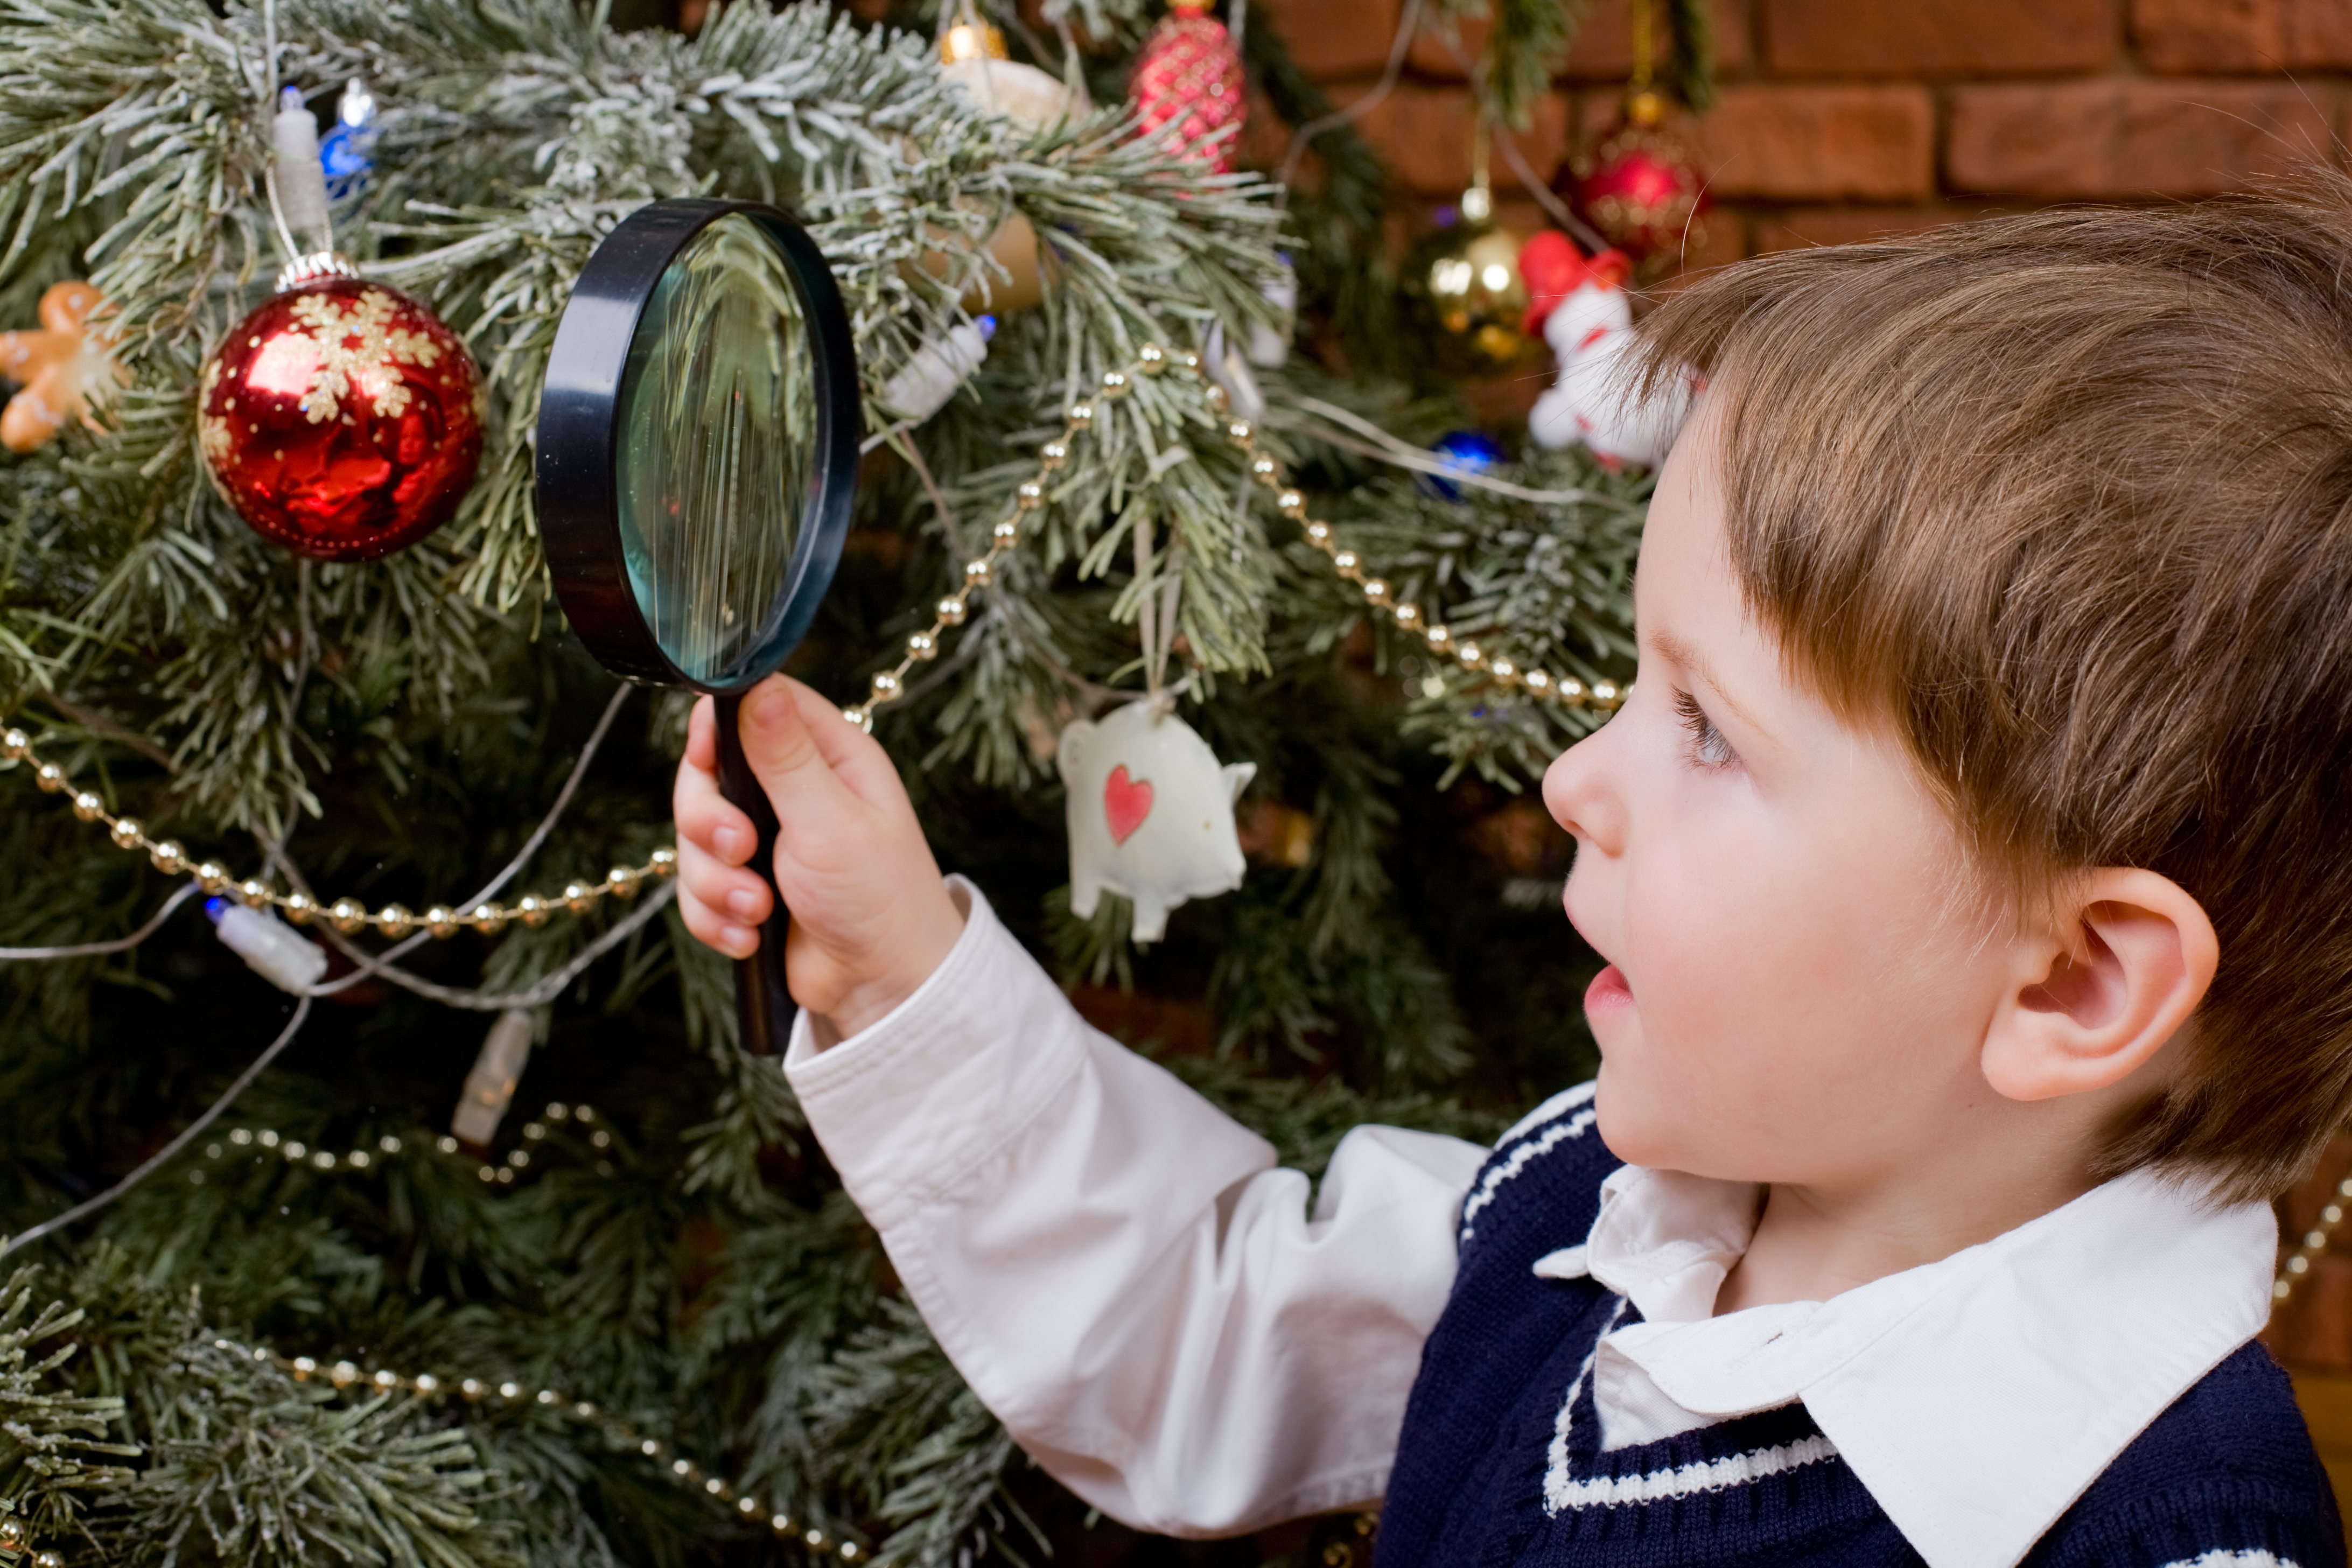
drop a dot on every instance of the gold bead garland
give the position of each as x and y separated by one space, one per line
1563 690
1030 497
349 1376
348 916
15 1541
2315 1242
268 1140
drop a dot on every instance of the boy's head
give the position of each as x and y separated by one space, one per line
2027 547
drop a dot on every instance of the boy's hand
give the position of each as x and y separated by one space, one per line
870 916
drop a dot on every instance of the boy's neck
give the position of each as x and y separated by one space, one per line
1814 1243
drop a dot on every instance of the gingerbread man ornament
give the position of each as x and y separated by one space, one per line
56 369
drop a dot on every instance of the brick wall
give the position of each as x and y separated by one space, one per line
1842 119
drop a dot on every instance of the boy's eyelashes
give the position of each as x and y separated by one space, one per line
1708 749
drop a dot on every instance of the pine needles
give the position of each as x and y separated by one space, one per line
688 1262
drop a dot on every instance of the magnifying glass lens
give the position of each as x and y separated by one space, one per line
717 460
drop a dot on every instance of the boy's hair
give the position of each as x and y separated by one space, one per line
2068 498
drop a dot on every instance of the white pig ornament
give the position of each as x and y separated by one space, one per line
1151 814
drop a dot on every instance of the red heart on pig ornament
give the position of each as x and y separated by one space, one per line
1125 803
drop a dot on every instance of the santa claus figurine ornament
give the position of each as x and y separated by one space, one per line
1582 310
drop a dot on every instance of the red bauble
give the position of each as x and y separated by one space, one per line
1641 187
341 420
1190 70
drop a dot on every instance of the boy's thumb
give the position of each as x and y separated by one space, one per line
776 741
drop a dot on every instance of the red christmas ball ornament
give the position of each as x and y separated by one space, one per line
341 419
1640 187
1190 70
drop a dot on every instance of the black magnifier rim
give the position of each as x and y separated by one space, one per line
576 471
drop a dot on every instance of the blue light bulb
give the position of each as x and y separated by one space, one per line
1462 452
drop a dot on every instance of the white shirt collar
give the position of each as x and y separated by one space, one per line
1975 1397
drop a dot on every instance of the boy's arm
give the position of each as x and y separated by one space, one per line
1116 1268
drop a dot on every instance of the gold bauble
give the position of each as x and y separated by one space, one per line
1014 247
971 40
1034 101
1464 293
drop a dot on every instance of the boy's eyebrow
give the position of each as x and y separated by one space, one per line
1675 649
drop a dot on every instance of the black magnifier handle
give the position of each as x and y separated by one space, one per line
763 1005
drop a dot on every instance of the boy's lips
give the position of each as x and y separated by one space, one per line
1608 990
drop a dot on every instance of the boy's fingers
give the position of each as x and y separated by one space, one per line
730 892
713 931
706 819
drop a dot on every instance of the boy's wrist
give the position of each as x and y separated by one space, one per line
925 940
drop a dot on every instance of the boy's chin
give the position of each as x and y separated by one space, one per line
1635 1132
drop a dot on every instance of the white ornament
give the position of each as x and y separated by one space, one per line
934 371
1031 98
1269 346
1589 322
1152 814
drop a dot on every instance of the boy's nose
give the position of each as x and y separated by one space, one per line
1577 793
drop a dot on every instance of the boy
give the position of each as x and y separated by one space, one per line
1968 860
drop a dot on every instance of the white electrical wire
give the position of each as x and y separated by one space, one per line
1384 447
98 949
1399 46
164 1155
537 994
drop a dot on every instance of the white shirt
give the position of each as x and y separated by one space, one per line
1146 1301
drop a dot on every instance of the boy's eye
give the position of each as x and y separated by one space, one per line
1708 749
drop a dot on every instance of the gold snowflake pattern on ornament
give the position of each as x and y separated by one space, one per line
357 347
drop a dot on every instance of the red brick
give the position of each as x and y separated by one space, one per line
1821 144
1265 138
1914 37
2259 36
1718 240
2312 1332
1429 55
2128 137
1850 225
1603 51
1514 209
1424 133
1333 38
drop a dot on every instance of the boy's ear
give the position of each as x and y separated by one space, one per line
2128 960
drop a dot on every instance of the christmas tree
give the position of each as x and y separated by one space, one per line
265 1300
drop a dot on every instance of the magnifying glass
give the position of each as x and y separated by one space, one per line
697 447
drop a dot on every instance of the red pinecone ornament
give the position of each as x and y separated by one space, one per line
1641 187
1190 70
341 420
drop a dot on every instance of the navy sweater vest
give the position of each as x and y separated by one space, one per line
1500 1463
